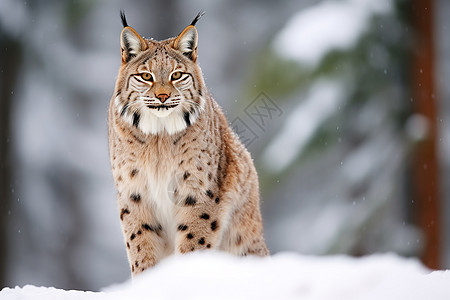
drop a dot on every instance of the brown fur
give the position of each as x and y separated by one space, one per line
203 177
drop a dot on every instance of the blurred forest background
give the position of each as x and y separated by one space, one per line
344 105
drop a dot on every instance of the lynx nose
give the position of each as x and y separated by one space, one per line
162 97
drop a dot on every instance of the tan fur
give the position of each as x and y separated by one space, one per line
195 188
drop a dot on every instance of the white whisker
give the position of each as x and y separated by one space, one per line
148 98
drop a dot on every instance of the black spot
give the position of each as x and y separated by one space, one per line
128 245
204 216
146 60
186 175
135 197
138 248
132 237
132 268
182 227
138 139
238 240
177 140
136 264
186 119
209 176
134 172
213 225
148 227
136 118
190 201
124 212
208 246
124 110
139 232
190 236
217 200
200 92
201 241
200 168
209 194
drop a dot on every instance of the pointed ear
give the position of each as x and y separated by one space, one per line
132 44
186 42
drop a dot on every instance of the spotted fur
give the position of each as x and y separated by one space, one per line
184 180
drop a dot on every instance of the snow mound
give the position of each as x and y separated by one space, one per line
282 276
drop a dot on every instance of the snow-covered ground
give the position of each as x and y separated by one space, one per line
282 276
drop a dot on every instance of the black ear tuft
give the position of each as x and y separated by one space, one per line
199 15
124 19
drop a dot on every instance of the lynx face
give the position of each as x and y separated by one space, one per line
160 87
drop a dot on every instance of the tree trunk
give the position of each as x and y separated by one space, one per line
10 58
425 164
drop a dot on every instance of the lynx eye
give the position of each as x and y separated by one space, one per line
176 75
147 76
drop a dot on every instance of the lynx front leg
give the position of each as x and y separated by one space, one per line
142 233
199 221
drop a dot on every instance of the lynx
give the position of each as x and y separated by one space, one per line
184 180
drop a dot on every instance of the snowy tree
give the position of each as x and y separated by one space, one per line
334 167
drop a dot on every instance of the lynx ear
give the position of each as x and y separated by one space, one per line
186 42
130 41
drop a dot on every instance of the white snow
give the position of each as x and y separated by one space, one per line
322 100
327 26
285 276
